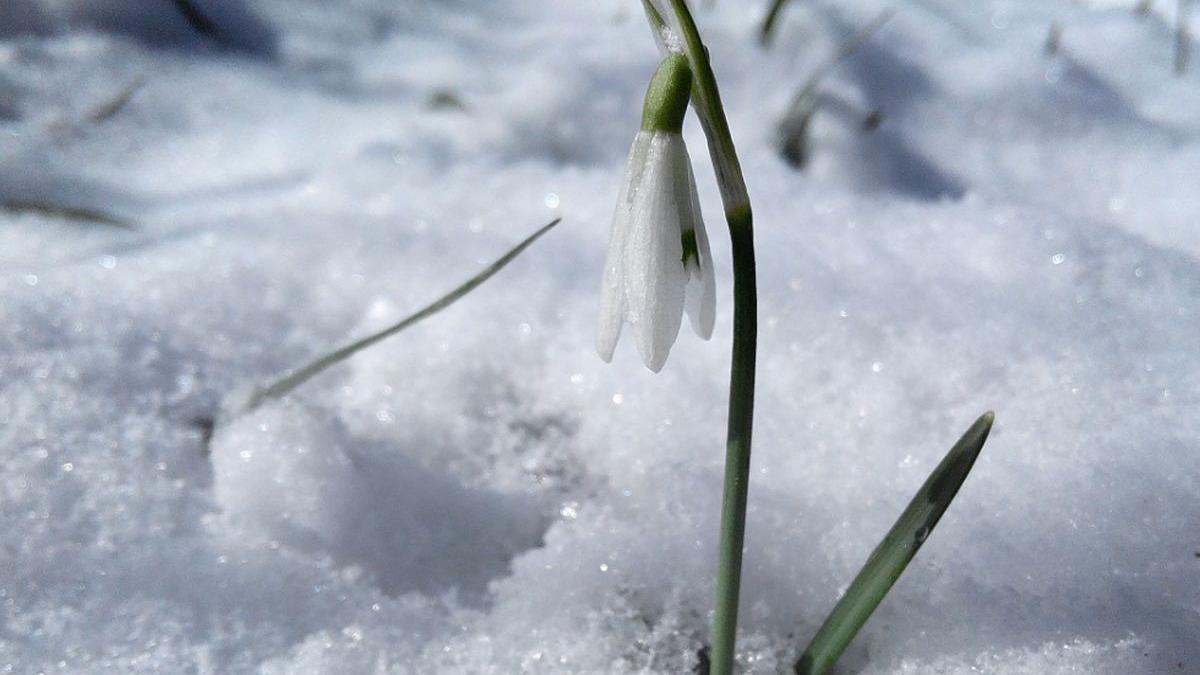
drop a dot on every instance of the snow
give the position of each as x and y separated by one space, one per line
482 493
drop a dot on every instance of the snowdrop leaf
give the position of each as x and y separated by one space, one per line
109 108
66 212
796 123
197 19
893 554
768 24
1183 38
294 379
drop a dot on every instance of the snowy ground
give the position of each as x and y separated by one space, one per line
482 494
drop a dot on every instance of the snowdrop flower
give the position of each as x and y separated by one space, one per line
659 261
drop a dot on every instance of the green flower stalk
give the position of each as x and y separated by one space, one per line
680 36
676 32
677 36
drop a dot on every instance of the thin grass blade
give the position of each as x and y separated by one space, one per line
197 20
76 213
1183 38
291 381
893 554
768 25
794 128
108 109
1053 39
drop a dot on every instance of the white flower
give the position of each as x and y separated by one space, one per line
658 256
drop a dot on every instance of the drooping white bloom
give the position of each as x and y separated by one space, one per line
659 261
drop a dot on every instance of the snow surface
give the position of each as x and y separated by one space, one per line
482 494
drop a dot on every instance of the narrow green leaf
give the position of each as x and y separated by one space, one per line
113 105
289 382
197 19
1183 38
768 24
893 554
53 210
794 128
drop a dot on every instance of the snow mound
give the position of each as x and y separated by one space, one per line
280 478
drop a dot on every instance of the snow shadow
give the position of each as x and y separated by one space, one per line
186 24
881 159
286 477
863 141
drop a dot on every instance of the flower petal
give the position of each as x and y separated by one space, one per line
654 273
613 301
701 302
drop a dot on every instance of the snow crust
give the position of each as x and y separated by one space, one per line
482 494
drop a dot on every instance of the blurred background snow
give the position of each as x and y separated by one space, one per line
1011 230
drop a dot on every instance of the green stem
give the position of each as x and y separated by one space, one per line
707 100
737 449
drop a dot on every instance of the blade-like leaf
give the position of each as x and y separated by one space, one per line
197 20
768 24
894 553
53 210
113 105
1183 38
794 128
288 383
